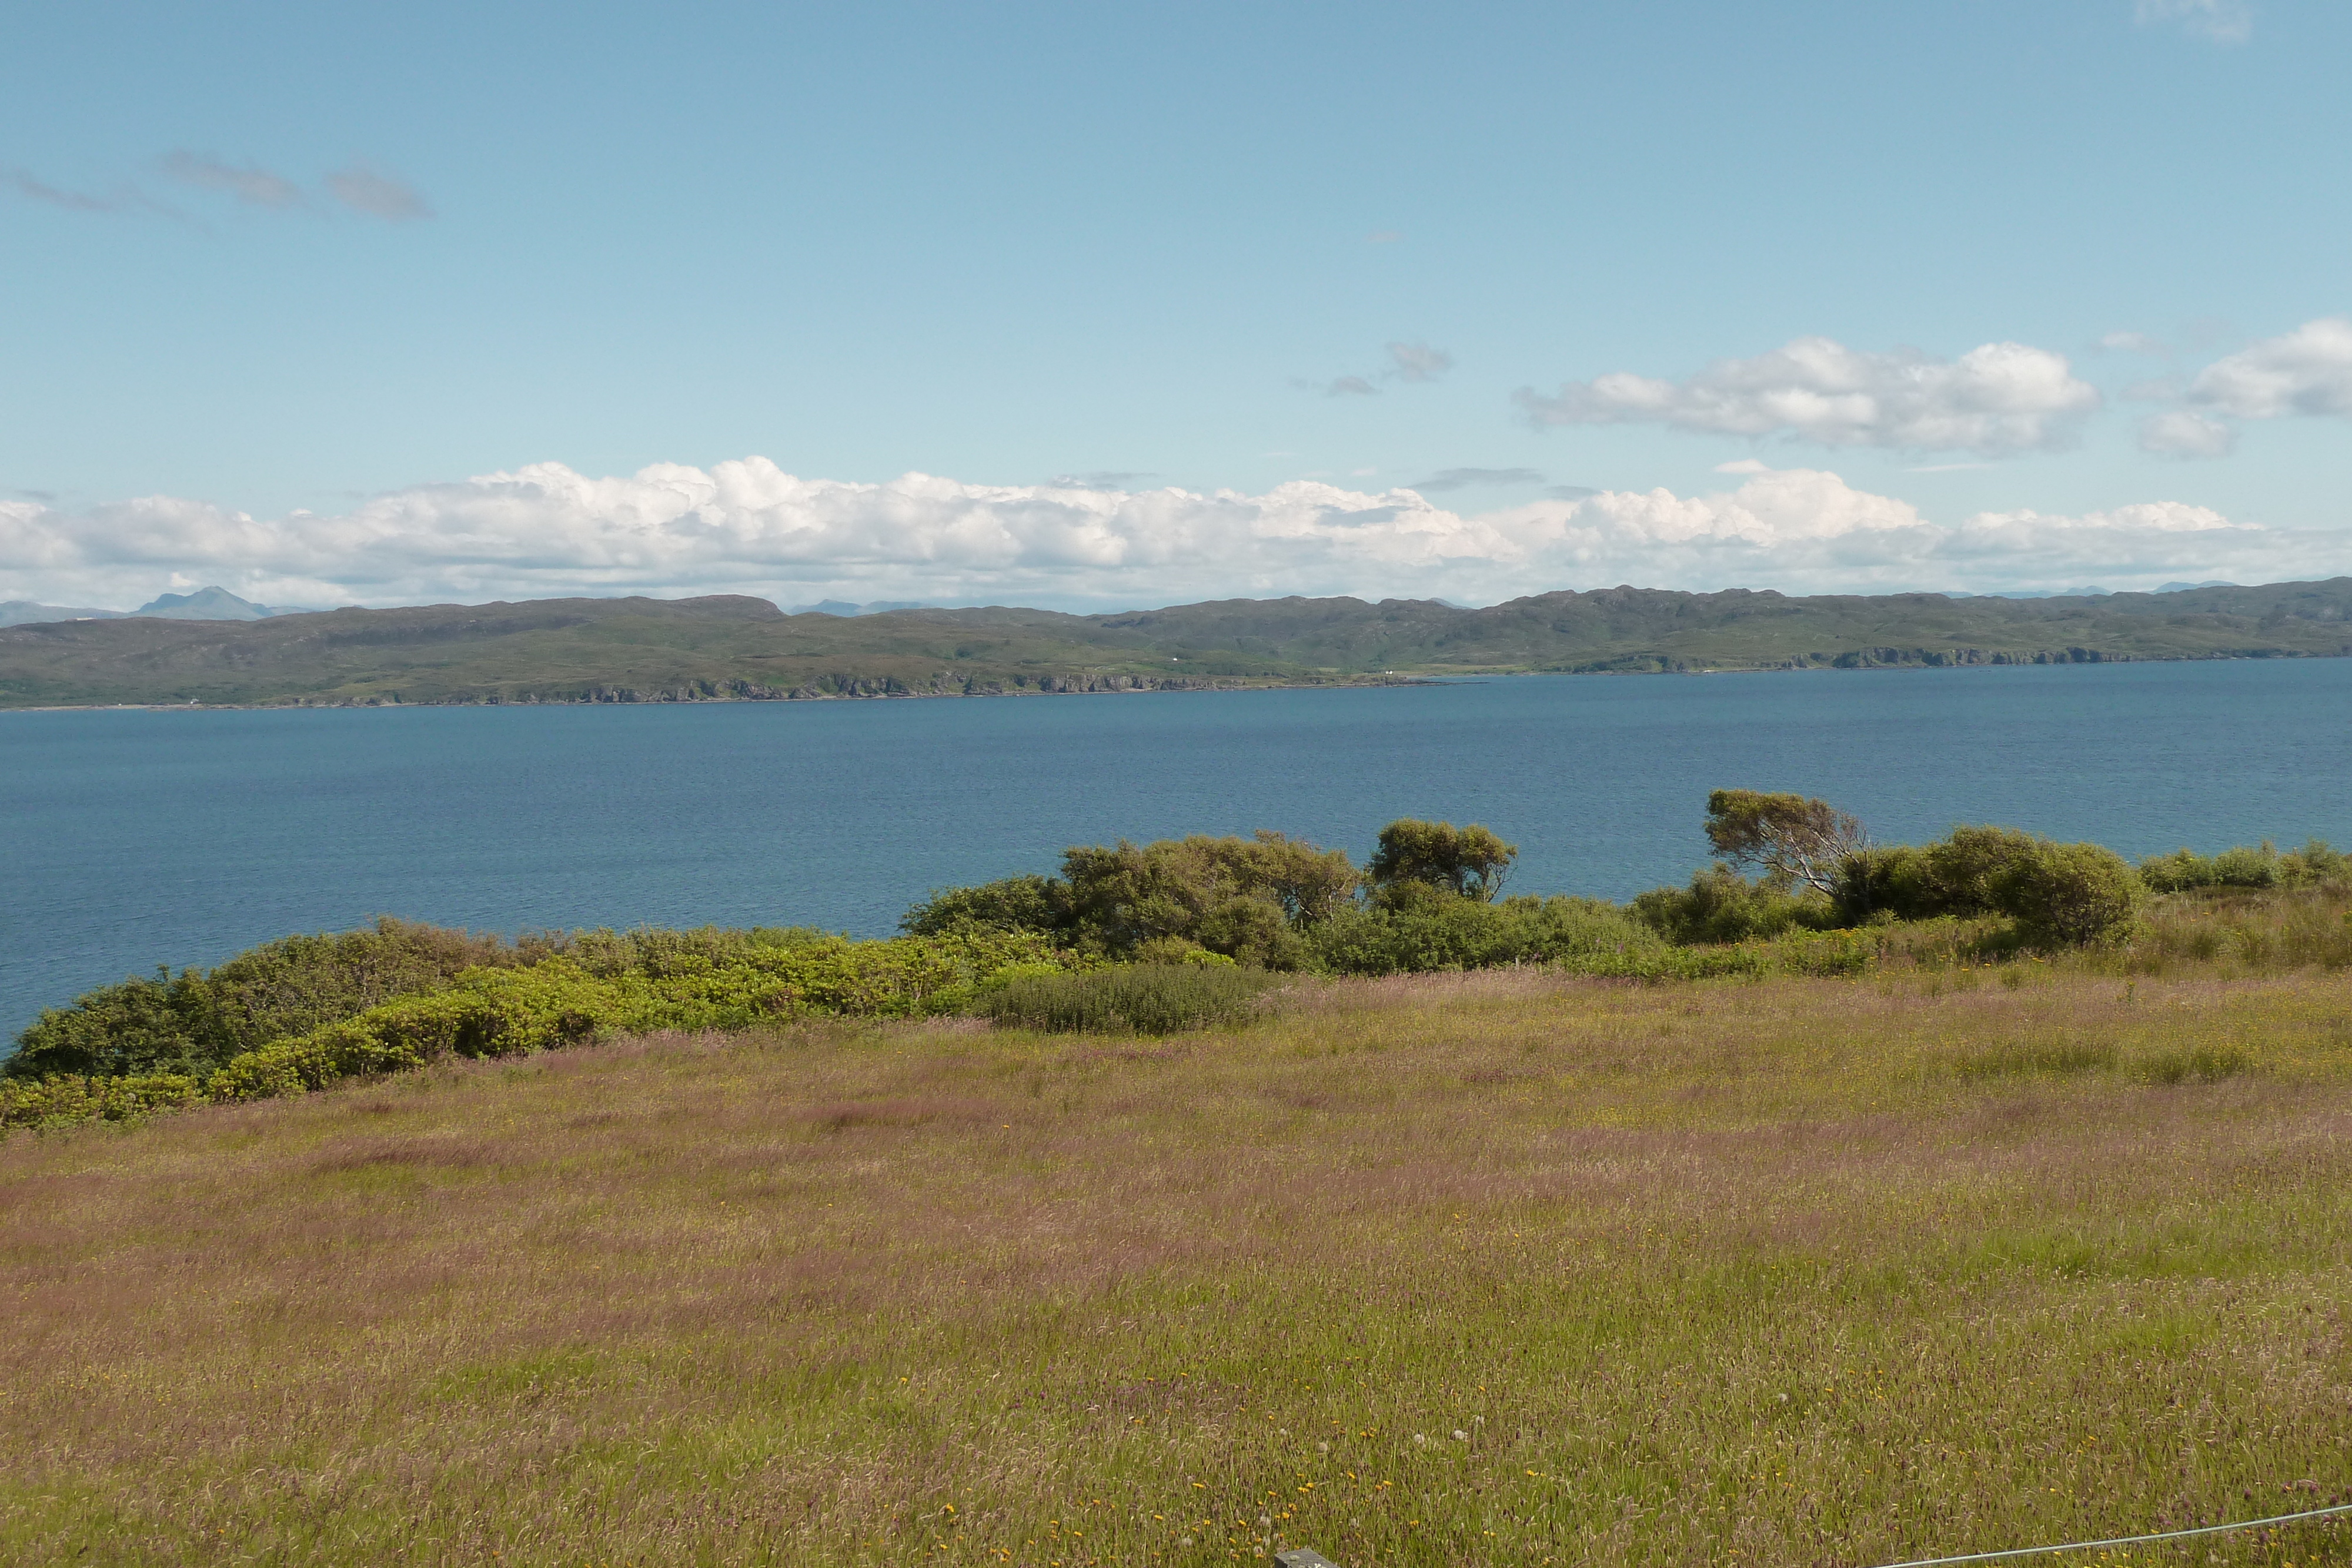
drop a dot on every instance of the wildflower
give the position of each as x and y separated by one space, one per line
1460 1436
1420 1441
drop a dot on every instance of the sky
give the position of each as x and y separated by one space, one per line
1101 307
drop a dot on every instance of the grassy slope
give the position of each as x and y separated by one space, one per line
727 645
1800 1272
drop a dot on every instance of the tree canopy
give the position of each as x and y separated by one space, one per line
1793 837
1470 862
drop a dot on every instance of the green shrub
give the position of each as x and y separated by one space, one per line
2260 866
1435 930
71 1098
2068 896
195 1021
1138 999
1015 903
1721 905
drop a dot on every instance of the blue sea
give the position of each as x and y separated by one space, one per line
139 837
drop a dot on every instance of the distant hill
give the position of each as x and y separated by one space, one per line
733 647
24 611
204 604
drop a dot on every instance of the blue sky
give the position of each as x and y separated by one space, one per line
407 302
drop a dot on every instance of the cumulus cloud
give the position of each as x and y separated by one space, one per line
747 526
369 190
1996 399
2308 371
2180 434
2223 21
253 186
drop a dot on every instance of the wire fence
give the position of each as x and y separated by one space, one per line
1305 1557
2126 1539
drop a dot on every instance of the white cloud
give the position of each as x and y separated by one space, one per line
747 526
2180 434
1995 400
2223 21
2308 371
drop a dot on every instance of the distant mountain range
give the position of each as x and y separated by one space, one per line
729 647
203 604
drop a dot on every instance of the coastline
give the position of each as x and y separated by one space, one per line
890 689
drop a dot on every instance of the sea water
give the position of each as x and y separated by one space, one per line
139 837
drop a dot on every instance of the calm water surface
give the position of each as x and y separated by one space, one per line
139 837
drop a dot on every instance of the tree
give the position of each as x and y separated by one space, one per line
1794 837
1470 862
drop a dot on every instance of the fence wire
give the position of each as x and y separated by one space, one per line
2126 1539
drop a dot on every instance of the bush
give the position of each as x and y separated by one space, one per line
195 1021
2257 867
71 1098
1246 898
1441 931
1721 905
2068 896
1139 998
1015 903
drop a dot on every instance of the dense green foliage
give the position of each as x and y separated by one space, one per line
1247 899
2056 896
1468 862
1791 838
1721 905
192 1023
553 991
1145 998
2248 866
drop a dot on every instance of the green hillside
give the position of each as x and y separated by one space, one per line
730 647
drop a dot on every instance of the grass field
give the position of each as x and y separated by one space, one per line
1500 1269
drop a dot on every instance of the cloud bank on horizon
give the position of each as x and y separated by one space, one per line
747 526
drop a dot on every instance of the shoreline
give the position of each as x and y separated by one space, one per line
1854 661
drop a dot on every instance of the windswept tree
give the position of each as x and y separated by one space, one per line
1469 862
1793 837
